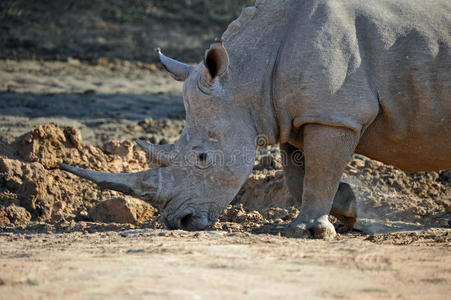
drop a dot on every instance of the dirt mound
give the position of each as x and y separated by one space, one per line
33 189
386 194
265 189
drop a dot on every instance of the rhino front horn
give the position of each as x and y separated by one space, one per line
144 185
163 155
178 70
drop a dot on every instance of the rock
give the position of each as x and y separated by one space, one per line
122 210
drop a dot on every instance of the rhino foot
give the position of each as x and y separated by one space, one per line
320 228
344 206
349 222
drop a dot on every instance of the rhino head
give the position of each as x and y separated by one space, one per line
200 174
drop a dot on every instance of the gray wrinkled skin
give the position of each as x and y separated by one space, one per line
328 78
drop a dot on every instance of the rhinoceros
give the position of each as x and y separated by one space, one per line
322 78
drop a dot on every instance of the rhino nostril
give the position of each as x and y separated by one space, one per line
203 157
186 221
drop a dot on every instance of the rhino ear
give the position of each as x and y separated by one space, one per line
178 70
216 61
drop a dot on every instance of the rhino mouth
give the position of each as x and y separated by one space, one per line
189 221
185 216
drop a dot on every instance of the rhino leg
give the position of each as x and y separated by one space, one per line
327 151
344 207
344 203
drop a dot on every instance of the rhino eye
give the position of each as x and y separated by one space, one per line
213 136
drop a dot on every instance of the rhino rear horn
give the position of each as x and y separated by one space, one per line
163 155
178 70
144 185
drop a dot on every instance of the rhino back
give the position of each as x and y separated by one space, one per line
406 50
380 68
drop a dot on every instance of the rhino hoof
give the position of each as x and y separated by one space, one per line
320 229
349 222
298 231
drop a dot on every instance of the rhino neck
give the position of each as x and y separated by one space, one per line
254 42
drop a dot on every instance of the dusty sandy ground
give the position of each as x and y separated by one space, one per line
55 244
143 264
